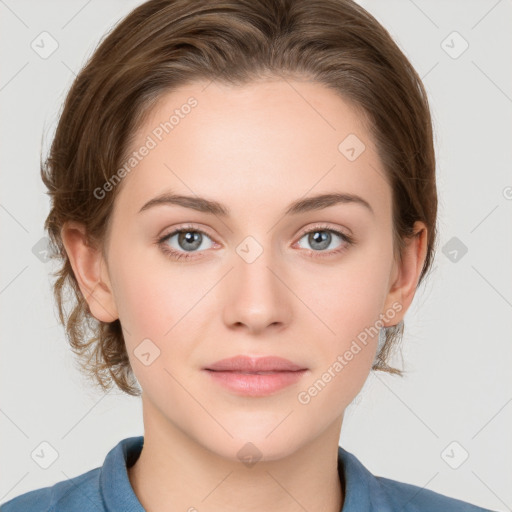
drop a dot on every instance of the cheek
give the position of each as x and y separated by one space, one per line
346 349
151 297
350 297
153 293
348 300
155 314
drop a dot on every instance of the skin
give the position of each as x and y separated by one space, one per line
256 149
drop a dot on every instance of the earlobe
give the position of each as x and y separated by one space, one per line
408 273
87 263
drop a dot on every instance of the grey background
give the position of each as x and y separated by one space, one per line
457 346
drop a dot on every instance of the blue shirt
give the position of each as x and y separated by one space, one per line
108 489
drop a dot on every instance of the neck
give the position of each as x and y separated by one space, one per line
175 472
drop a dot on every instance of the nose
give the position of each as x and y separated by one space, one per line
257 296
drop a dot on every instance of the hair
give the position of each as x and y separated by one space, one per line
165 44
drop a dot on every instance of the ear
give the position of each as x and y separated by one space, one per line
406 273
90 271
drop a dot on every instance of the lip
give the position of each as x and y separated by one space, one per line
247 364
242 374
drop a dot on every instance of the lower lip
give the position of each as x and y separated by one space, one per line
256 384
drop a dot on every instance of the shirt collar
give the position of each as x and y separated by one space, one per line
361 490
115 486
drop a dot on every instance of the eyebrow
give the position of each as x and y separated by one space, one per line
307 204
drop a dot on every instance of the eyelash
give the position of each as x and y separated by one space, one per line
177 255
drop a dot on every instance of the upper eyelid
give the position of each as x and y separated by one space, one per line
203 230
322 227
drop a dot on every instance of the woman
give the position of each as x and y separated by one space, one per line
244 202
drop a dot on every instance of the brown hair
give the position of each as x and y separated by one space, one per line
164 44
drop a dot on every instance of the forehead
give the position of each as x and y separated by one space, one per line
267 141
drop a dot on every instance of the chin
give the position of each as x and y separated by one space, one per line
255 445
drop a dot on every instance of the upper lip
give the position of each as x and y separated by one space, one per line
255 364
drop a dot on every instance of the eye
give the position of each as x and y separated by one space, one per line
321 238
179 243
182 243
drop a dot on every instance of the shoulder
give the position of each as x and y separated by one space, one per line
367 492
80 493
412 498
107 486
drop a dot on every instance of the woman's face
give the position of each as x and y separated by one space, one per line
254 282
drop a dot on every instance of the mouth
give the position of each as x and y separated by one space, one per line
255 377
